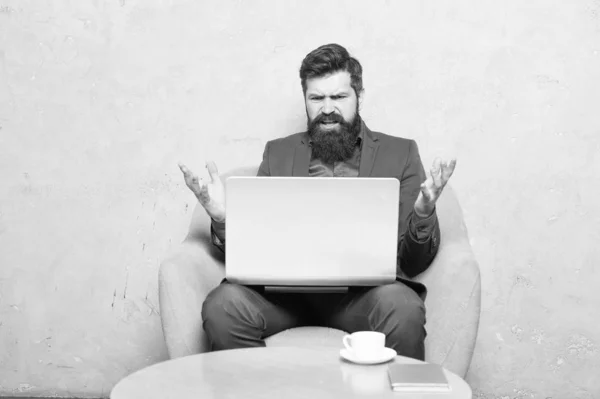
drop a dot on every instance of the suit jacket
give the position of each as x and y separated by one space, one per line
382 155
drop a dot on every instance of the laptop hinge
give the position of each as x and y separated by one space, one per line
309 289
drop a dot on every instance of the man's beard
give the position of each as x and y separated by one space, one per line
334 145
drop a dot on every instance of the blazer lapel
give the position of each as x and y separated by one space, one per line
368 153
301 159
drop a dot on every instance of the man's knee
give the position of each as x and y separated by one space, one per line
400 306
230 317
225 298
225 304
400 313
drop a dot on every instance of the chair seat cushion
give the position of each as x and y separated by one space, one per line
307 336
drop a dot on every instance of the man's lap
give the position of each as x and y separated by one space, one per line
320 309
236 316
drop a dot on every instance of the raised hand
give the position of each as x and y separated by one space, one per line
432 188
211 195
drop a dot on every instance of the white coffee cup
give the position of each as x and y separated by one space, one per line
365 344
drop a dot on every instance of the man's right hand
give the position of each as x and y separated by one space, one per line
210 195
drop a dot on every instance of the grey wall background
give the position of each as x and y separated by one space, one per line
99 100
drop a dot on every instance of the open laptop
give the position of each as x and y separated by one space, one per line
311 233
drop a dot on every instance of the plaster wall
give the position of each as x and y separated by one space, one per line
99 100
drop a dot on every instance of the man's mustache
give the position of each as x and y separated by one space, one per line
328 118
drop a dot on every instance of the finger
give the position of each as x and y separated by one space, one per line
194 183
189 176
436 174
183 168
425 190
212 171
448 170
202 195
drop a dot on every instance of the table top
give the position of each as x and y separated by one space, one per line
271 372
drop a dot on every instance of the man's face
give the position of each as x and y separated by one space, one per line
333 119
330 98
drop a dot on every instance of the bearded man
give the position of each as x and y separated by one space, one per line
337 143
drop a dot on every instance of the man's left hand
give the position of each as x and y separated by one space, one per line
432 188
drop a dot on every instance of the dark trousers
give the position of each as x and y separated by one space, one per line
237 316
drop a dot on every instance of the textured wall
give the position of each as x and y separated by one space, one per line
100 99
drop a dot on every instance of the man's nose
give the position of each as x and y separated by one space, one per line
328 107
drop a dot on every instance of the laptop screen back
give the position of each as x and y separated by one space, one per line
307 231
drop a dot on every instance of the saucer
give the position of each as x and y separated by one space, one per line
385 355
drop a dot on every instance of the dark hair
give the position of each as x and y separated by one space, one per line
328 59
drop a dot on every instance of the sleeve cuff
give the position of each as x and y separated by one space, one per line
218 229
421 221
421 227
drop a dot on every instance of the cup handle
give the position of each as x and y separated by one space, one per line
346 340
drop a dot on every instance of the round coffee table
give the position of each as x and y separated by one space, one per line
271 372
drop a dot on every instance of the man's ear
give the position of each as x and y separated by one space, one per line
361 97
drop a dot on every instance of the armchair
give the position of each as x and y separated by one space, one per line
453 303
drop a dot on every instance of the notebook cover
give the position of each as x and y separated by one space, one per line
417 375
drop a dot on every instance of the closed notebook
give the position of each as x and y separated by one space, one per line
422 377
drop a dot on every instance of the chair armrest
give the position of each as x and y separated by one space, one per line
453 306
460 355
186 277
